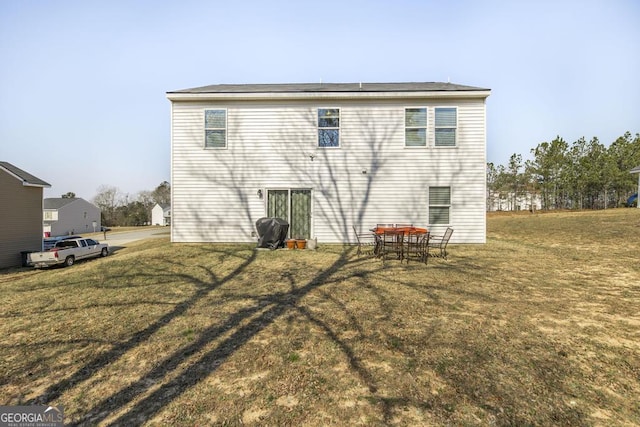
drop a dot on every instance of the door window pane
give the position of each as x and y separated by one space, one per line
300 223
294 206
277 204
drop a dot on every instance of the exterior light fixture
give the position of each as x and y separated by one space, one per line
259 193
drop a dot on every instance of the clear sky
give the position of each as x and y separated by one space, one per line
83 83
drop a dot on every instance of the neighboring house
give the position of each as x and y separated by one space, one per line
327 157
64 216
523 202
161 215
20 214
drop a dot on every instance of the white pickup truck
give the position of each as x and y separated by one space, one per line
67 252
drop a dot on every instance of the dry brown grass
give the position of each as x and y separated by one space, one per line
540 326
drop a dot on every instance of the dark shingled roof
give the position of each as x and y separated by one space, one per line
331 87
26 177
57 202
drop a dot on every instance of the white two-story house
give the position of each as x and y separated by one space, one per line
161 214
327 157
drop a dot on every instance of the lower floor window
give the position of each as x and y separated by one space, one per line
294 206
439 205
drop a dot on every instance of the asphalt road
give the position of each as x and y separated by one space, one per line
121 239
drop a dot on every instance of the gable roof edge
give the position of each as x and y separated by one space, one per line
328 91
56 203
26 178
181 96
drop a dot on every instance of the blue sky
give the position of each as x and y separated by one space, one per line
83 83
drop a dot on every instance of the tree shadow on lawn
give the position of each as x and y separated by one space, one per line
267 308
476 387
56 390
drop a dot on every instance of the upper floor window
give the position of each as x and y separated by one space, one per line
215 128
439 205
445 127
328 127
415 127
50 215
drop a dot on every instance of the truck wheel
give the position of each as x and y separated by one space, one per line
68 261
104 252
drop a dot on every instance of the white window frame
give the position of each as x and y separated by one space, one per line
425 127
225 129
318 128
50 215
435 127
448 206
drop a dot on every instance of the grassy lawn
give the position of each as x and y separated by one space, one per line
540 326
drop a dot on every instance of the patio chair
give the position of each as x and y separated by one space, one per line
439 244
404 225
366 242
392 243
416 246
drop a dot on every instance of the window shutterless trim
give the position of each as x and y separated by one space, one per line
328 128
434 204
216 129
425 127
445 127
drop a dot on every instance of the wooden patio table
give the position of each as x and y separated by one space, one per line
405 230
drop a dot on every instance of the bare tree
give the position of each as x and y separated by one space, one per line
108 200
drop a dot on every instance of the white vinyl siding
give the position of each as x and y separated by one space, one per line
372 179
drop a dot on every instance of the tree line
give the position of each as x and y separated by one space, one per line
581 175
124 210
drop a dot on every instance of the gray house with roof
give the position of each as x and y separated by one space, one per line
65 216
20 213
326 157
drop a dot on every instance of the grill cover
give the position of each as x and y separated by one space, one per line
272 232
